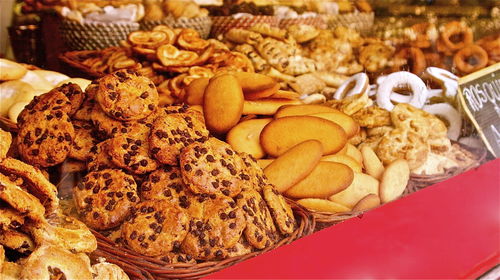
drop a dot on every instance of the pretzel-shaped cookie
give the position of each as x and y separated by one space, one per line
169 55
148 39
189 39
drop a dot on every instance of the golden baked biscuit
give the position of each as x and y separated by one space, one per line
53 262
195 91
326 179
402 144
10 218
361 185
405 116
253 82
17 241
105 198
350 127
125 95
368 202
155 227
53 100
212 167
280 210
20 200
220 227
245 137
260 230
5 141
222 103
294 165
301 110
267 106
373 116
261 94
84 140
322 205
283 133
394 180
252 173
108 271
241 248
345 159
371 162
99 158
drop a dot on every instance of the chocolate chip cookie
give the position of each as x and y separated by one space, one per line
175 128
20 200
252 173
85 111
75 95
125 95
131 152
16 240
212 167
280 210
53 100
105 125
99 158
164 183
260 230
155 227
241 248
46 141
105 198
217 230
84 140
10 218
177 258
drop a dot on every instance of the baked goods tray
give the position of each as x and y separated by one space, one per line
142 267
75 58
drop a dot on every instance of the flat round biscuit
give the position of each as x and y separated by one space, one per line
175 128
280 210
53 100
84 141
155 227
131 152
212 167
125 95
164 183
219 228
47 141
260 230
105 198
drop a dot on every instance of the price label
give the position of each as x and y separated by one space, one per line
480 97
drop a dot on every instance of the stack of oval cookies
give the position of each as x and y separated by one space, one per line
304 149
37 241
154 179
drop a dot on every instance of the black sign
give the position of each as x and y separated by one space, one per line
480 98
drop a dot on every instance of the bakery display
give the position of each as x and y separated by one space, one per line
185 154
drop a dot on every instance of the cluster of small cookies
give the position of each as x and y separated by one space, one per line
36 239
157 182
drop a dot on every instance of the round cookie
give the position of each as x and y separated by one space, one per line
105 198
175 128
260 230
155 227
125 95
212 167
164 183
106 126
84 141
131 152
253 173
46 141
53 100
99 159
402 144
280 210
85 111
219 228
75 95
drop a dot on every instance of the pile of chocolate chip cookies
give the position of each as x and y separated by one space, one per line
37 241
155 181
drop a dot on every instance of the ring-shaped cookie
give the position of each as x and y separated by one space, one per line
447 80
456 28
470 59
356 84
413 58
401 79
451 115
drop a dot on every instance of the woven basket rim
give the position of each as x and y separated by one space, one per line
98 24
67 58
142 267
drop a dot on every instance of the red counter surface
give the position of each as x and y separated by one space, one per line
447 231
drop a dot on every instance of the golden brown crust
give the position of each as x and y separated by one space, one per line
20 200
125 95
174 129
10 218
280 210
402 144
16 240
52 262
34 181
83 142
373 116
105 198
212 167
108 271
99 159
155 227
5 141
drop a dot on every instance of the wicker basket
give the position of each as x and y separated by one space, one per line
317 22
362 22
200 24
324 220
222 24
139 266
422 181
95 36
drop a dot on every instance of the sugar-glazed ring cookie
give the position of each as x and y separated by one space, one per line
360 82
445 78
448 112
402 79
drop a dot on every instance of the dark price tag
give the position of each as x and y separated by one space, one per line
480 98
